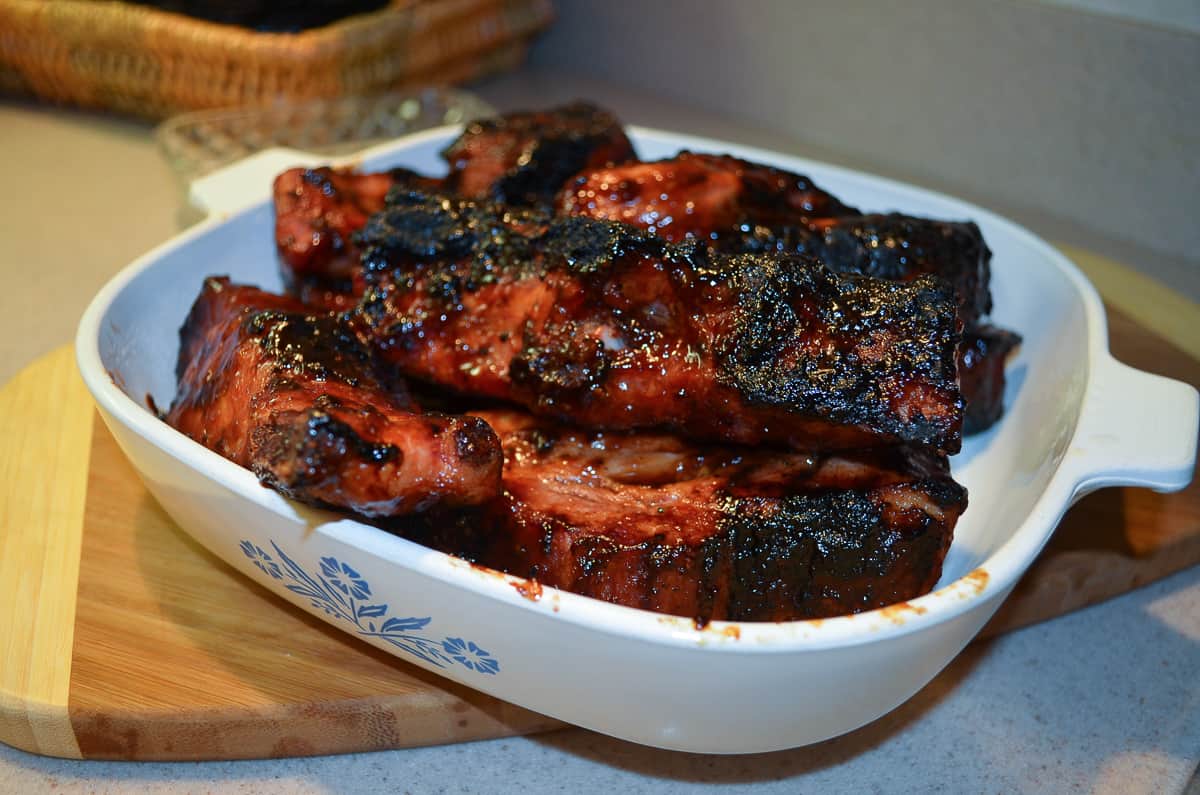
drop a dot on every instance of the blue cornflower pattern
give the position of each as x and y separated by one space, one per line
344 594
261 559
467 654
344 578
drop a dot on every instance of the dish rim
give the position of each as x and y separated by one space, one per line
993 577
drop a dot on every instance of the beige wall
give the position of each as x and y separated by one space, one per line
1089 119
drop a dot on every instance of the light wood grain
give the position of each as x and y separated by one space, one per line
178 656
45 424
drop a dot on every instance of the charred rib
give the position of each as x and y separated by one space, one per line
653 522
601 324
524 158
317 210
298 399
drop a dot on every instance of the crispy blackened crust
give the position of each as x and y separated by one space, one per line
317 211
521 158
524 158
602 324
851 350
740 207
301 401
902 248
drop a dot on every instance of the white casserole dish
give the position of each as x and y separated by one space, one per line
1076 421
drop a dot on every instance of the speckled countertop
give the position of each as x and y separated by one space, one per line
1103 700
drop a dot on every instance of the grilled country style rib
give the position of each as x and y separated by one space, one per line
719 199
742 207
298 399
317 210
598 323
524 158
649 521
981 358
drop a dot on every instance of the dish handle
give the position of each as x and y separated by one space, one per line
224 190
1137 429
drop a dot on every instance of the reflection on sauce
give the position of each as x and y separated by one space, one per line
530 589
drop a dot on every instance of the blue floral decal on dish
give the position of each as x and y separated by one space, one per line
262 560
341 592
471 656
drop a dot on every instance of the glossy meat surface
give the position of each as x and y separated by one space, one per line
981 359
742 207
525 158
721 200
317 210
650 521
903 248
600 324
299 400
522 158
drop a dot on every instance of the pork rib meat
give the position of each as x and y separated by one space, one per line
524 158
738 207
741 207
604 325
299 400
317 212
653 522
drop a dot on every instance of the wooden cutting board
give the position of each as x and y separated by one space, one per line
121 638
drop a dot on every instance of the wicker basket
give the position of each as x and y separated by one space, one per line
154 63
